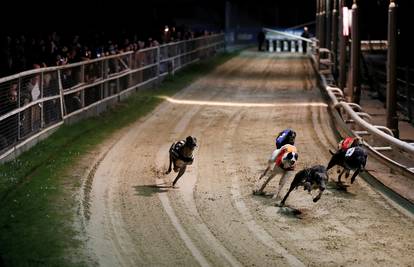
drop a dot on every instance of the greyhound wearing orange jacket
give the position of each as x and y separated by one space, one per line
283 161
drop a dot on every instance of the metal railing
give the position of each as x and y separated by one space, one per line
378 139
353 121
36 101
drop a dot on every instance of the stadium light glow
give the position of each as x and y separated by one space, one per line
242 104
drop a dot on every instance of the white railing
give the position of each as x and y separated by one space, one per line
36 101
351 120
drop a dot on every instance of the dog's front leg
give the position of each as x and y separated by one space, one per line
292 186
169 168
180 173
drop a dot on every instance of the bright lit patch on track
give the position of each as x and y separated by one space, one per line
241 104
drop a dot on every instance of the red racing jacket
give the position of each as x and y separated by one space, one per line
284 150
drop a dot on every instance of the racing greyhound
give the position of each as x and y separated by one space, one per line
283 161
181 155
309 178
354 158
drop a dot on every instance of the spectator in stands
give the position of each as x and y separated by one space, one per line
260 39
178 37
155 43
305 34
33 86
31 90
8 126
73 56
18 54
61 60
8 99
75 101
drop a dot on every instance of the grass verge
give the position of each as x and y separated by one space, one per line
37 198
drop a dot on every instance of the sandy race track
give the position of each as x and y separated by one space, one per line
134 218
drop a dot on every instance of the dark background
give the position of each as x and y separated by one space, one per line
90 16
147 18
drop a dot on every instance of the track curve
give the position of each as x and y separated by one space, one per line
212 219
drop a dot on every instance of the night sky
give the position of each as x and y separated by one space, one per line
77 16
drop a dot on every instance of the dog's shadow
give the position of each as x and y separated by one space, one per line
267 200
150 190
291 212
340 189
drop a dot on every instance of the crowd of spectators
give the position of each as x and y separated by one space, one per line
24 52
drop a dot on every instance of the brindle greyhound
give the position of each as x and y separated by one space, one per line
309 178
181 155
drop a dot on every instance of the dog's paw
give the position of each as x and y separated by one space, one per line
315 199
258 193
279 204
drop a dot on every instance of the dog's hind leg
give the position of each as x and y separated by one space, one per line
347 174
355 175
318 196
180 173
339 177
169 167
282 182
264 172
259 187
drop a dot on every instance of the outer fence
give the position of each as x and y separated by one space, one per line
34 102
377 79
397 154
350 120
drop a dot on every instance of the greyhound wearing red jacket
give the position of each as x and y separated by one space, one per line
283 161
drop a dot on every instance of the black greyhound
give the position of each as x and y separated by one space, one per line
181 155
354 158
309 178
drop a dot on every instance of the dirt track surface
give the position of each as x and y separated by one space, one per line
134 218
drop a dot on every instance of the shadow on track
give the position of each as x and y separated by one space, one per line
150 190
